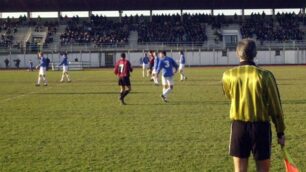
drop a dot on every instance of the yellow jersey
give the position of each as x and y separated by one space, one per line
254 95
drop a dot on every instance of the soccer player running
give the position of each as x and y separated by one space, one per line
42 70
145 65
155 66
182 66
122 69
255 100
166 64
65 64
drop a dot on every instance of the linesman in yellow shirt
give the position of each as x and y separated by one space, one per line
255 100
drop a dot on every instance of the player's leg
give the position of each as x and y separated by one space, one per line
148 71
121 97
262 141
263 166
122 87
68 77
240 145
170 83
168 90
165 88
156 82
143 70
163 96
45 80
128 88
39 80
240 164
127 91
181 70
63 77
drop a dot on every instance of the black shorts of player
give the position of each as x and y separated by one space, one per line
247 137
124 81
151 66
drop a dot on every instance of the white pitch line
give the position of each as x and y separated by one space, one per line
22 95
16 97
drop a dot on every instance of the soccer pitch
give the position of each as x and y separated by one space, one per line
81 126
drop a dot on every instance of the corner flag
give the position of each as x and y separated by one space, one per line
289 164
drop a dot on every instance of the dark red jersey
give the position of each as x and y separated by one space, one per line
152 60
151 64
123 68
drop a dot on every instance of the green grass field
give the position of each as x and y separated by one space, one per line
82 127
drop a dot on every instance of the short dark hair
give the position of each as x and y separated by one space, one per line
163 52
246 49
181 52
123 55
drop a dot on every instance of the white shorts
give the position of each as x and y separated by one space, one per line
154 71
65 69
42 71
182 66
167 81
145 66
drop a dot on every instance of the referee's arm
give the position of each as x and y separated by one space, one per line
274 104
225 86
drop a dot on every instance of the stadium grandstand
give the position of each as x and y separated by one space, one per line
94 31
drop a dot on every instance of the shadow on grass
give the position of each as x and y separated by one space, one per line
175 103
294 102
84 93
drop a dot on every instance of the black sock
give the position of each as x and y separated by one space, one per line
125 93
122 95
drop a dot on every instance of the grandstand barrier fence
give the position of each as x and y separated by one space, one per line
198 57
205 46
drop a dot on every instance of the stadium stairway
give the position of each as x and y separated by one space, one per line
56 37
133 39
21 34
211 33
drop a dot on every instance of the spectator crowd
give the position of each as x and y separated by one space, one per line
160 28
282 27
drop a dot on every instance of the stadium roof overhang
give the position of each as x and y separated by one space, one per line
110 5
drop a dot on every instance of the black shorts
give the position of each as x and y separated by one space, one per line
247 137
125 81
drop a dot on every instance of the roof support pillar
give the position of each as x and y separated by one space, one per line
151 15
303 12
89 14
182 17
212 12
120 15
242 14
0 15
59 15
29 14
273 12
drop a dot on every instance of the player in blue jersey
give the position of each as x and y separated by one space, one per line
31 66
65 64
166 65
182 66
42 69
155 67
144 61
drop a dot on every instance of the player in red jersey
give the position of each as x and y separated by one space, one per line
122 69
151 64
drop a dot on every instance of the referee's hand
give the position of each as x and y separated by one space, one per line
281 141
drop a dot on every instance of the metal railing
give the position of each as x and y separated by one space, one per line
204 46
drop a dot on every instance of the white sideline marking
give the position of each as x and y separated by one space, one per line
18 96
22 95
